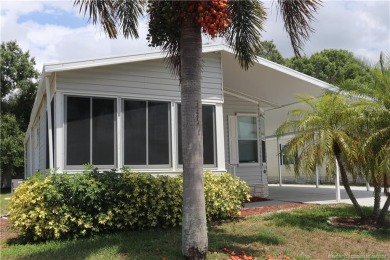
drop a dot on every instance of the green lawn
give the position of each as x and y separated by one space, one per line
300 234
4 200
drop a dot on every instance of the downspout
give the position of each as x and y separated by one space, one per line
25 159
316 140
279 161
49 122
31 165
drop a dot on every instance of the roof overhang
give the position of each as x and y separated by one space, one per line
271 84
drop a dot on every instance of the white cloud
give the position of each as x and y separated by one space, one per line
362 27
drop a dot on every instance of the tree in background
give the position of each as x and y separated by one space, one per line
18 82
176 27
11 143
18 90
332 66
269 51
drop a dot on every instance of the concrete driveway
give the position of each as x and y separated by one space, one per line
291 193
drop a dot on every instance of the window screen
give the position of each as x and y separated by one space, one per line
78 130
135 132
208 121
158 133
146 132
103 131
90 131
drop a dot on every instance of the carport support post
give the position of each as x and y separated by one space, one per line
279 161
317 170
367 185
337 182
317 177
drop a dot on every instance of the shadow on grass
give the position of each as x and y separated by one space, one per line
315 218
220 240
150 244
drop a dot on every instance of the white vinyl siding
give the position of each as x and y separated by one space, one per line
142 80
42 139
28 158
250 172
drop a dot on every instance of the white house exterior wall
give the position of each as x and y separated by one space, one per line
42 138
252 173
142 79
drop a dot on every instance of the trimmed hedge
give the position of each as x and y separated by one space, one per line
75 205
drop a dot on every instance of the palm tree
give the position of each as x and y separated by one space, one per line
322 137
375 127
176 27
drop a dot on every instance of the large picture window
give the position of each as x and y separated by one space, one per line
208 121
146 133
90 131
247 139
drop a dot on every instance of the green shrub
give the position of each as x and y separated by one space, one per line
73 205
224 195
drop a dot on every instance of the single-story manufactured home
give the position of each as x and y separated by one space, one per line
125 111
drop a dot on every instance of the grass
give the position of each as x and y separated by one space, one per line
300 234
4 201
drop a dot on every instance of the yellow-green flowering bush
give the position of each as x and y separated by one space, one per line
74 205
224 195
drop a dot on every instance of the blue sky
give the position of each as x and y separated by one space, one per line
54 31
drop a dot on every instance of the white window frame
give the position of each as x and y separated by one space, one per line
147 166
81 167
205 166
256 116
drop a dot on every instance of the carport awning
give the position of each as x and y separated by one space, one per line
271 84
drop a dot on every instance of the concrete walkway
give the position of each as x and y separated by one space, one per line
291 193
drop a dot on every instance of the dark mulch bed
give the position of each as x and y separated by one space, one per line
356 222
267 209
6 232
257 199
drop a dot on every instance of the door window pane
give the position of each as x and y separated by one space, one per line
158 133
247 139
103 132
247 150
135 132
78 130
247 127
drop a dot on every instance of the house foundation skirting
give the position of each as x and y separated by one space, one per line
259 190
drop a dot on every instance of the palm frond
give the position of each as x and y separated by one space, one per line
127 14
244 33
165 30
102 12
297 16
112 15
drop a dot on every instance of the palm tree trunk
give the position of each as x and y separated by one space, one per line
377 199
194 226
384 211
345 181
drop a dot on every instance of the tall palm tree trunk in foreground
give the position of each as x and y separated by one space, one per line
194 228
